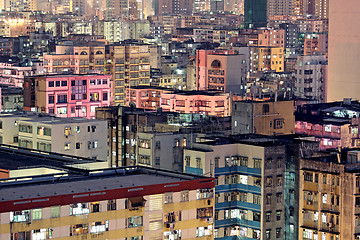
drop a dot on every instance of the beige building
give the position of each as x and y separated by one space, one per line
263 117
344 51
72 136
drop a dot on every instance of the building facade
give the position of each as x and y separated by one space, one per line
68 95
153 206
71 136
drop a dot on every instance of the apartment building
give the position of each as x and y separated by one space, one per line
333 124
263 117
72 136
311 77
73 95
255 183
124 123
207 103
222 70
127 62
147 204
321 197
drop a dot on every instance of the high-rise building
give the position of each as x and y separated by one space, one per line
256 177
344 51
255 13
127 62
279 7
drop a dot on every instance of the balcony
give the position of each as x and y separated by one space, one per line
329 227
237 222
310 224
330 208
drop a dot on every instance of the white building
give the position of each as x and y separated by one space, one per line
72 136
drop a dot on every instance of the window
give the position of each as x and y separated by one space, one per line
62 110
278 233
184 196
217 159
168 197
36 214
20 216
204 212
269 181
278 215
95 207
278 123
79 208
105 96
136 221
63 83
308 176
324 179
268 199
57 83
256 216
111 205
198 162
51 99
257 163
25 128
204 193
268 163
43 131
51 84
268 216
278 197
268 234
256 199
266 108
279 180
99 227
67 146
187 161
78 229
55 212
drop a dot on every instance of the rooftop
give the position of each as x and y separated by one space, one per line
14 158
45 118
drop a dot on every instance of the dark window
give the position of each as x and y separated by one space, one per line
58 83
63 83
105 96
266 108
62 98
51 99
51 84
278 233
78 145
72 82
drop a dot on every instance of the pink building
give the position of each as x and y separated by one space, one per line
208 103
203 102
67 95
13 74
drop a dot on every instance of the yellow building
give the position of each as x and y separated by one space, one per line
122 203
269 59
